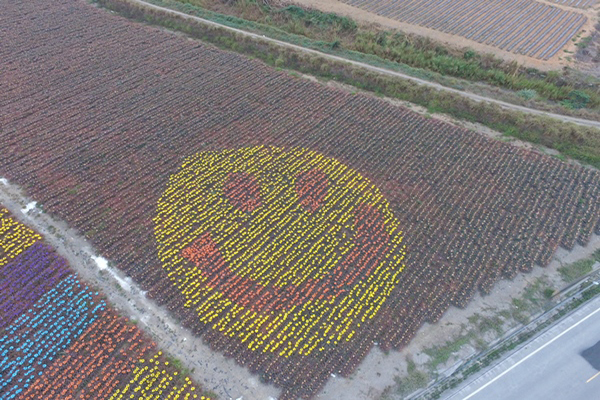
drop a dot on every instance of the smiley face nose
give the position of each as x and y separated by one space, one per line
201 250
243 191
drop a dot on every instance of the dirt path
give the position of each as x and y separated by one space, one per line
216 373
472 96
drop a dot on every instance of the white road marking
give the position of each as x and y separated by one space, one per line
589 380
535 352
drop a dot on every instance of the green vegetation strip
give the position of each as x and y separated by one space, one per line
415 379
578 142
572 272
287 34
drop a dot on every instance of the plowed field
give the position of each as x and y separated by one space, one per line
524 27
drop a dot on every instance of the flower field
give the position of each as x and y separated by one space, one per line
286 251
525 27
291 225
59 339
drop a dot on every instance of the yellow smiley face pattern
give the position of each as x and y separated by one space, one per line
279 243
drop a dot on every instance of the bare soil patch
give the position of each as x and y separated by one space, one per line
587 56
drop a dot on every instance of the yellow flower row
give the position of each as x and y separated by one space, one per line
276 245
151 381
14 237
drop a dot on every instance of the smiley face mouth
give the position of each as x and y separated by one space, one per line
370 245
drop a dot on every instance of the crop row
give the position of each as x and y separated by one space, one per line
154 379
34 339
27 278
95 363
58 339
575 3
525 27
99 140
18 238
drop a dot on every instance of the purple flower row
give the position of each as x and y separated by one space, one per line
26 278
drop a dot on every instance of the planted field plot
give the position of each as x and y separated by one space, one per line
290 225
59 339
519 26
575 3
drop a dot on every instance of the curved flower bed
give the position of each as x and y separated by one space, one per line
284 250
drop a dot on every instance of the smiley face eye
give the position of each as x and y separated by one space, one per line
370 225
242 191
311 187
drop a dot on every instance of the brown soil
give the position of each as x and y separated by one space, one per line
587 58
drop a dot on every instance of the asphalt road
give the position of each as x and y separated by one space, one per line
550 367
472 96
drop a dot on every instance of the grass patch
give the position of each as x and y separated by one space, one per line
538 293
414 380
441 354
572 272
484 325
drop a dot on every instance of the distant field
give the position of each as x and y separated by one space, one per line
520 26
575 3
